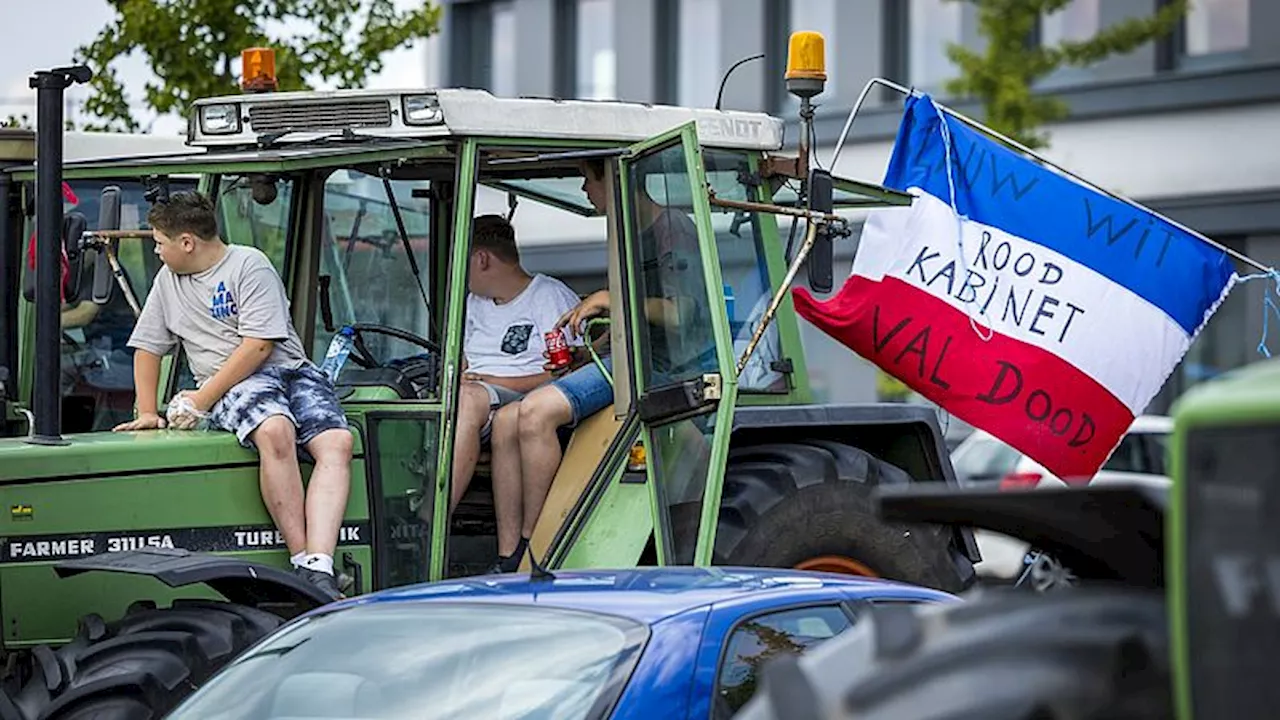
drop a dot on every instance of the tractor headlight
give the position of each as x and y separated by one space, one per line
220 119
422 110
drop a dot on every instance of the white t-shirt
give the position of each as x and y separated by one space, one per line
508 340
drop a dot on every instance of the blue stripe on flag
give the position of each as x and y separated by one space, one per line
996 186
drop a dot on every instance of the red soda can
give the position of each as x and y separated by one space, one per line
558 350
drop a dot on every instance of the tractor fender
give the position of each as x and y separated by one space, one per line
1113 532
240 582
905 436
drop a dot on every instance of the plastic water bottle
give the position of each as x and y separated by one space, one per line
728 301
339 349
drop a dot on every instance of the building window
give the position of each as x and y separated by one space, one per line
1076 22
502 49
482 46
1217 26
932 25
818 16
595 60
698 53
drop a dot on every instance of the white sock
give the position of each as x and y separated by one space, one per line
319 561
296 560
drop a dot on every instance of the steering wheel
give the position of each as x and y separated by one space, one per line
365 359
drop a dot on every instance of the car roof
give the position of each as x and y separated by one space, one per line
645 595
1141 424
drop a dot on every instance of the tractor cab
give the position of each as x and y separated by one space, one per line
712 450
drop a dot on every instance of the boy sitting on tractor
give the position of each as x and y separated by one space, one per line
227 307
526 451
509 313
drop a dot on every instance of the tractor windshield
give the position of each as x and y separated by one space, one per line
429 660
366 274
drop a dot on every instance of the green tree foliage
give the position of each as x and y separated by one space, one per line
1002 76
190 46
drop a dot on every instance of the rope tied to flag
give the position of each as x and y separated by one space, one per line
951 187
1270 306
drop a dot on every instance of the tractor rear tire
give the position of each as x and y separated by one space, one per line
138 667
785 503
1079 654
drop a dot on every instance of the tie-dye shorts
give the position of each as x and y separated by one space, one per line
303 395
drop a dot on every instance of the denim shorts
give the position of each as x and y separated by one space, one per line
587 389
303 395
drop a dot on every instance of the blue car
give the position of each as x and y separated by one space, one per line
584 645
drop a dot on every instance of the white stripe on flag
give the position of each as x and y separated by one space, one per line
1029 293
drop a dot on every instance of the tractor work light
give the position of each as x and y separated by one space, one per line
422 110
806 63
223 119
258 69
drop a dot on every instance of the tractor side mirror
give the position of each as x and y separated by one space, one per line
108 219
821 256
73 227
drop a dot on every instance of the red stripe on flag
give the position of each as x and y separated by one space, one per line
1032 399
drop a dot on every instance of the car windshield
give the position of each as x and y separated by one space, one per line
982 458
429 660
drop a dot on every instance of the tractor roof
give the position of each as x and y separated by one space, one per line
245 120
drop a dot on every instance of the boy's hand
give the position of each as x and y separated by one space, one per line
593 305
145 421
184 412
580 358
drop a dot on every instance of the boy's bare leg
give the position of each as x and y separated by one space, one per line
280 480
328 489
473 411
508 496
541 413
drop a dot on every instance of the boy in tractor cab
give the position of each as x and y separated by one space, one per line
509 313
227 308
526 449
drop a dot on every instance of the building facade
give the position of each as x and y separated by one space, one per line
1189 125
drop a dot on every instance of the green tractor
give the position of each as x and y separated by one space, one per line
1175 612
148 559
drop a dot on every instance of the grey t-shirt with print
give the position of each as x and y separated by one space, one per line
212 312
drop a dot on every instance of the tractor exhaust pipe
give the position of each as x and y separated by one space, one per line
50 86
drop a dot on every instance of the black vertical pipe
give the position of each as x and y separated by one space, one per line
47 401
50 86
10 259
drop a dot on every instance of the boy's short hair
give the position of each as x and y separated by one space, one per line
495 234
186 211
596 167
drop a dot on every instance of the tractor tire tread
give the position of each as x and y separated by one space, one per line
1077 654
141 665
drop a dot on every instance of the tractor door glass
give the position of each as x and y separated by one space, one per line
254 210
743 270
677 338
402 451
97 364
763 638
370 278
682 458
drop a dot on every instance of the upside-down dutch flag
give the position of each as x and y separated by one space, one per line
1055 326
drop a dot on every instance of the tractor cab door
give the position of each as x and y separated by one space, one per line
681 349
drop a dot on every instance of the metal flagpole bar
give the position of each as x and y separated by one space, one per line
848 125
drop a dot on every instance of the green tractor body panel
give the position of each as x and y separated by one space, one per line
118 492
1224 550
344 257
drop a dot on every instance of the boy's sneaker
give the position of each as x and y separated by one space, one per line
327 583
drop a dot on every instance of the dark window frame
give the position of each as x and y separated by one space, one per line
850 613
